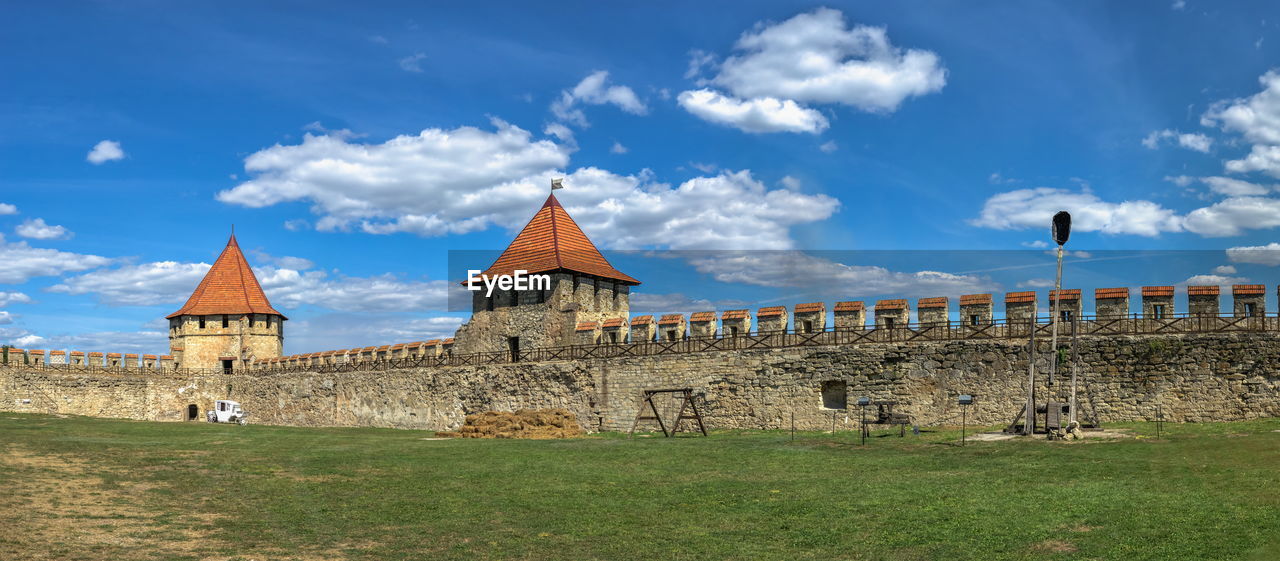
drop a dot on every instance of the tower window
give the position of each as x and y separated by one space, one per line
201 322
1250 309
488 303
974 319
225 322
1157 310
888 323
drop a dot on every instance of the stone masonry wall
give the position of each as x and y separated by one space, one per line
1201 377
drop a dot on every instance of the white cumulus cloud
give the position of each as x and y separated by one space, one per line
462 180
757 115
595 90
814 57
23 262
6 208
7 298
105 151
148 284
171 283
1234 187
1034 208
37 229
1257 117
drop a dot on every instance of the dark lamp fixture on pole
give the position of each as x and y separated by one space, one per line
1061 227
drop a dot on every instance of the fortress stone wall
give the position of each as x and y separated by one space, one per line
1194 377
1197 367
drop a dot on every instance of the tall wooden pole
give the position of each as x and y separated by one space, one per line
1056 296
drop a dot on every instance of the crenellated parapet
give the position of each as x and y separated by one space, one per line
671 327
702 325
735 323
976 310
1113 303
58 359
892 314
614 330
587 333
850 315
933 312
810 317
975 317
772 319
1157 302
1066 302
1020 307
1249 300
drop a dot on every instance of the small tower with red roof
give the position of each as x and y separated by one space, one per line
584 287
228 321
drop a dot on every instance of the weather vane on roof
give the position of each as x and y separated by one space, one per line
557 183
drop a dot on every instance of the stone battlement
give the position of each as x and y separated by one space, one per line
809 324
80 359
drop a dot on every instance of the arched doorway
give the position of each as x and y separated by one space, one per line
193 412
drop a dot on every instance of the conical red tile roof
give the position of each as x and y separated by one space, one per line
228 288
552 241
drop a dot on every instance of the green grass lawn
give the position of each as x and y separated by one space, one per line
82 488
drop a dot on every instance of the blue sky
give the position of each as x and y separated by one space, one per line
354 147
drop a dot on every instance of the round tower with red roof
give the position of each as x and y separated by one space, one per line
585 293
228 320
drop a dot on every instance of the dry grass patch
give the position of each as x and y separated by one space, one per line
525 423
57 508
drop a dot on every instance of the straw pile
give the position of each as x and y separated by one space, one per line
525 423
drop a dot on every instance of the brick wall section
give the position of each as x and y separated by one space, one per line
891 313
672 327
772 319
614 330
810 317
1204 300
587 333
850 315
1249 300
1157 300
643 329
1066 300
933 311
702 324
735 323
1202 377
1111 303
1019 307
976 309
